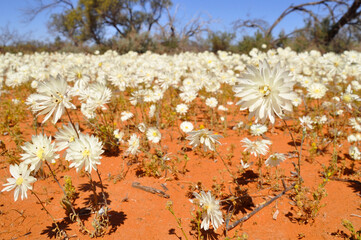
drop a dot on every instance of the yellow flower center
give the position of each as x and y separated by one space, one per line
40 153
347 98
86 153
265 90
19 181
79 75
71 139
58 97
155 134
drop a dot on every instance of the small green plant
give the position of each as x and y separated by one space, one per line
169 207
236 236
196 224
308 203
70 193
355 234
158 164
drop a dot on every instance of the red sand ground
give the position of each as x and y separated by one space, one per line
136 214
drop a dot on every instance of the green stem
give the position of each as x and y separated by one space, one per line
65 195
289 131
94 192
46 210
228 170
102 188
71 122
170 208
299 157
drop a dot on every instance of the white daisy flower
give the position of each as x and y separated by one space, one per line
126 115
306 122
154 135
258 129
186 126
65 136
316 90
51 98
118 135
245 165
211 210
133 143
266 92
41 149
348 97
85 151
355 123
258 147
21 181
222 108
151 110
205 137
275 159
181 108
352 138
142 127
355 153
211 102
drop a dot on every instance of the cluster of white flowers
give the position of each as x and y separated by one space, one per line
263 82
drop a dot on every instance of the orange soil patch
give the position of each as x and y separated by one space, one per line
137 214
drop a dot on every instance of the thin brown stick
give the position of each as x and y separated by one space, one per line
150 189
345 180
245 218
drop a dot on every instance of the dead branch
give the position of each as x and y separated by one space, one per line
150 189
345 180
192 28
292 8
248 216
41 5
257 24
351 14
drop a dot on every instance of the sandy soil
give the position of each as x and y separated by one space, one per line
137 214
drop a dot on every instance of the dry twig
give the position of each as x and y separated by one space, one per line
150 189
245 218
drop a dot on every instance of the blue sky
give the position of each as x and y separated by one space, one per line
223 12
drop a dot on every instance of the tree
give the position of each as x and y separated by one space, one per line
79 24
127 16
221 41
8 36
341 13
88 19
